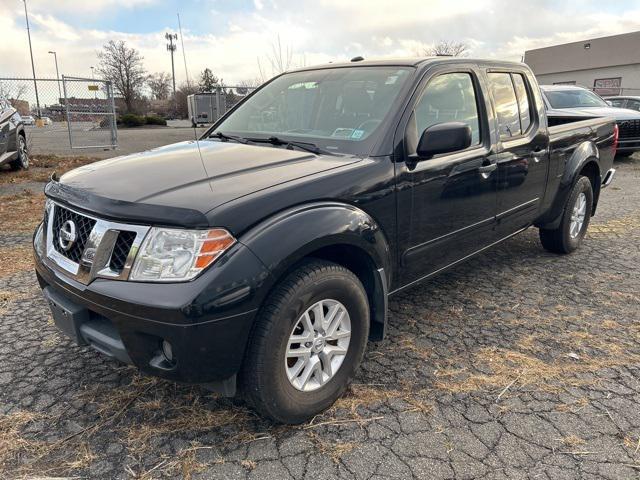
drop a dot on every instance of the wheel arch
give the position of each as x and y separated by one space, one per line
339 233
583 161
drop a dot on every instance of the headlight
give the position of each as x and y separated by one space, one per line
173 255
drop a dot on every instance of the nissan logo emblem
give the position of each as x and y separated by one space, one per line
67 235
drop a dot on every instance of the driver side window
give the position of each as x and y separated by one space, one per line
449 97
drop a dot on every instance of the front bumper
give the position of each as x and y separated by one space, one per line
206 321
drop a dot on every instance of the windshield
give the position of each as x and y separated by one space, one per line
574 99
337 109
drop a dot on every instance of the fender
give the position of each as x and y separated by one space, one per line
287 237
585 153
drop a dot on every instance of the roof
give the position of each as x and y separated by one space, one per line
602 52
409 62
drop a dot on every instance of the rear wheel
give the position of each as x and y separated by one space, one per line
307 343
575 220
22 162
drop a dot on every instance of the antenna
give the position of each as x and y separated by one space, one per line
184 53
171 47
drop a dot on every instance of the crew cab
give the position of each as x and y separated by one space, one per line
13 141
261 257
571 101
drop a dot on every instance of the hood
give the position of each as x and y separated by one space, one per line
196 175
614 112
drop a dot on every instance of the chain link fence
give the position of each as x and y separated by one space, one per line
78 112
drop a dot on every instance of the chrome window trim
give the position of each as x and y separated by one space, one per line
101 241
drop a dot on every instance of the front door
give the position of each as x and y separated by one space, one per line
447 203
523 150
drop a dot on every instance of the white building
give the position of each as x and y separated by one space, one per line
609 65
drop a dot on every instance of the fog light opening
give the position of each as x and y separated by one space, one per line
167 351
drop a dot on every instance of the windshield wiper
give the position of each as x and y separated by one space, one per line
307 146
226 138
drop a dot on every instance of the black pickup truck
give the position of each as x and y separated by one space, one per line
263 254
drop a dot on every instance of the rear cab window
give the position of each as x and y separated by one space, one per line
512 103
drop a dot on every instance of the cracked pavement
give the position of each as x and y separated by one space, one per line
516 364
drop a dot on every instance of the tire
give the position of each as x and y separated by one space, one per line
22 162
569 235
265 375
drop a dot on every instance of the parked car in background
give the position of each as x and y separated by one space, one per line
13 142
28 120
628 101
46 121
265 252
570 101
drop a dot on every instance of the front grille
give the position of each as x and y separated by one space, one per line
121 250
83 226
629 129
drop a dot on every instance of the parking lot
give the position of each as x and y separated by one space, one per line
54 139
517 364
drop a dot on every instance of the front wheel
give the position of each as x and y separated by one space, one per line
22 162
575 220
307 343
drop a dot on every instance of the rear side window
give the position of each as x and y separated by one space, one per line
513 107
449 97
504 95
617 103
523 101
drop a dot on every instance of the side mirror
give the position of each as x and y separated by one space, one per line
444 138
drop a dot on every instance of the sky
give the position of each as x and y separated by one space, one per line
235 38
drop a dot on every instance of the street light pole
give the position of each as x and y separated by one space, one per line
55 57
33 67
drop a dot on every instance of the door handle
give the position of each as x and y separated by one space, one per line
486 169
537 153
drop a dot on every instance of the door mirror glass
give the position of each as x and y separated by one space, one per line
444 138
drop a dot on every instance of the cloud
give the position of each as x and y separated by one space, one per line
316 31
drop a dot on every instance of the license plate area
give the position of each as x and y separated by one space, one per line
67 316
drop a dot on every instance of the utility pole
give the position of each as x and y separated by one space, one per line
33 67
55 57
171 47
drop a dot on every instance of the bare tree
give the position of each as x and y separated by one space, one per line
245 86
445 48
184 90
279 59
124 68
160 85
12 91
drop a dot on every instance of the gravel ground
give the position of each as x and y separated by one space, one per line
518 364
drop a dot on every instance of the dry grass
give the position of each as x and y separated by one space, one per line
616 226
335 450
21 213
42 167
510 369
8 297
15 260
12 443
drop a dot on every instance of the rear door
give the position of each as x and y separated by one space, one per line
523 148
447 203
